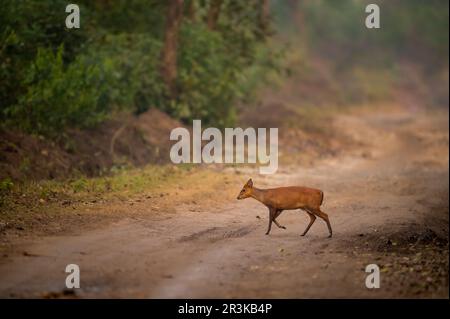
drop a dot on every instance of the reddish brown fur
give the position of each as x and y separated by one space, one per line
288 198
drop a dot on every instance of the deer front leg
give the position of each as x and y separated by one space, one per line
271 218
277 213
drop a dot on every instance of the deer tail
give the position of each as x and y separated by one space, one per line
321 198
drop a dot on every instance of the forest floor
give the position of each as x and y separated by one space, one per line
386 196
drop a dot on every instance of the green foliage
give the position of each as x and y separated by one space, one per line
79 185
125 16
6 185
208 77
219 68
58 97
130 63
26 26
54 78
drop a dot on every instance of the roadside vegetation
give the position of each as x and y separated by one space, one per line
190 60
51 206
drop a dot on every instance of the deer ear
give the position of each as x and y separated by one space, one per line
250 182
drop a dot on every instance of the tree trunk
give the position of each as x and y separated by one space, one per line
169 52
191 11
213 13
264 17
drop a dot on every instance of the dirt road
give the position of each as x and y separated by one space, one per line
388 205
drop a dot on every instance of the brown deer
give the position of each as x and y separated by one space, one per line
288 198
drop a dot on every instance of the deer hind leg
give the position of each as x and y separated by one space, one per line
312 220
324 216
272 213
277 213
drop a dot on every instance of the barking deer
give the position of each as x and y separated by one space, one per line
288 198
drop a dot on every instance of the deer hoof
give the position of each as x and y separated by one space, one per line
283 227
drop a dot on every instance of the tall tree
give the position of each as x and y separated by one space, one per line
213 13
169 52
264 17
191 10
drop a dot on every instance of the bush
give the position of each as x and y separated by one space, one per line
215 72
58 97
130 63
207 78
6 185
26 26
54 78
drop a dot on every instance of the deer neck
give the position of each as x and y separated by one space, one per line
258 194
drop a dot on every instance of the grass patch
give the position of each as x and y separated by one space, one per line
51 206
123 182
17 200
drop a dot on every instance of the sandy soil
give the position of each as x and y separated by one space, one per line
387 201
